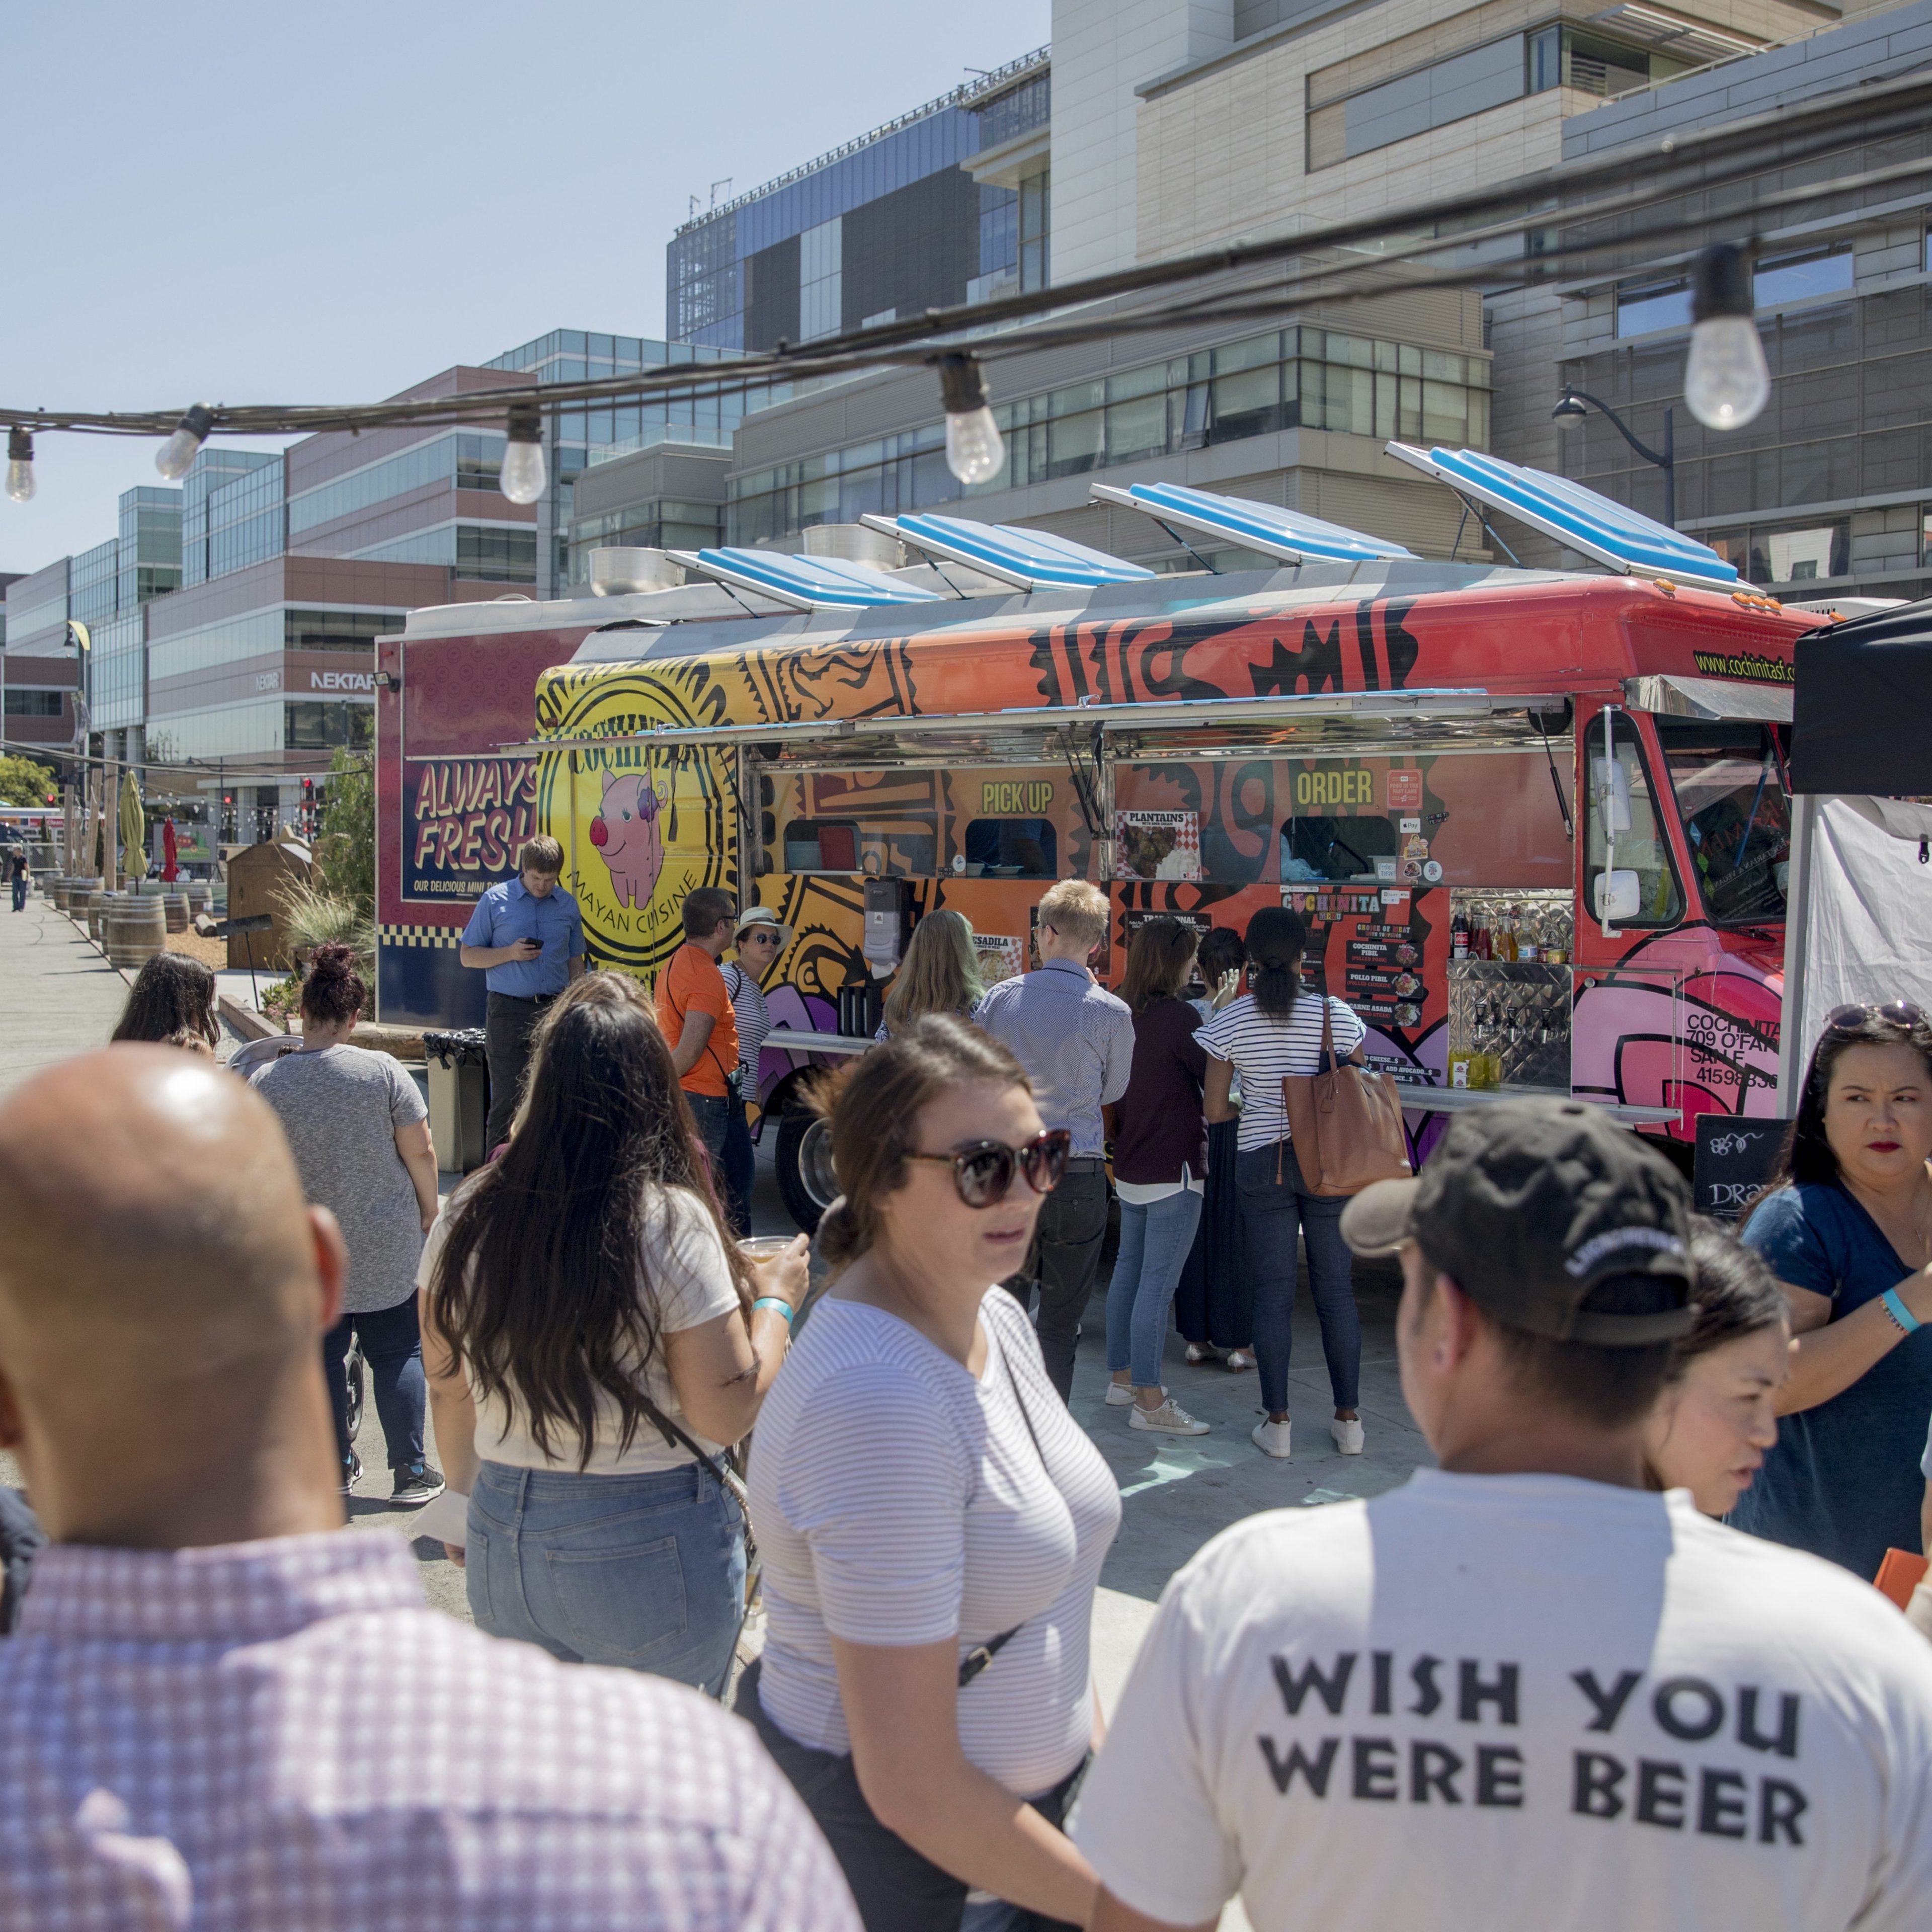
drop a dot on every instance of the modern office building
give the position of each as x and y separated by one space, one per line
949 203
1828 493
233 620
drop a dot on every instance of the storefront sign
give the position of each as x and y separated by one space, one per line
463 820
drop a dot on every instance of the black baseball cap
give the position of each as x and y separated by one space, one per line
1528 1205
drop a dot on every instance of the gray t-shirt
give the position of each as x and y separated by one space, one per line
341 1108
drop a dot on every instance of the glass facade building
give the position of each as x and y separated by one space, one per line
215 470
890 225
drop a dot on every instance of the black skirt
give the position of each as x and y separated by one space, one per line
1215 1303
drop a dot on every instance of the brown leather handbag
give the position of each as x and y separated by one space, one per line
1345 1123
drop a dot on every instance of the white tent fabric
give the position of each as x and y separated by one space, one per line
1863 932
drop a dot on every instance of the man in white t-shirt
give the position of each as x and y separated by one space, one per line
1521 1690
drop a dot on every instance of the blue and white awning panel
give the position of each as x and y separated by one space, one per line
804 583
1282 533
1587 522
1029 559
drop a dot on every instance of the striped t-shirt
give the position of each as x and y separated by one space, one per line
898 1501
1265 1052
748 1006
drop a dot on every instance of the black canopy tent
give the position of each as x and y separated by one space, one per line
1859 922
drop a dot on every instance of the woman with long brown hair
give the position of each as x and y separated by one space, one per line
595 1341
932 1520
1160 1150
939 974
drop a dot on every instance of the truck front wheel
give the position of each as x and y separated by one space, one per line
804 1163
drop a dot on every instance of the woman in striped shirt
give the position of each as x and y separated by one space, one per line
761 937
1268 1034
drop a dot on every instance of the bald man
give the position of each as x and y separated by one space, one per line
222 1707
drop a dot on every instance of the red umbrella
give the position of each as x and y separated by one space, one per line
170 871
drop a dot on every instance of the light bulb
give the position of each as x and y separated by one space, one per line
1726 381
19 465
176 456
523 473
974 451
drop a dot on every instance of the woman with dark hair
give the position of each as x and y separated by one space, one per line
1160 1146
931 1519
360 1134
596 1342
1846 1227
172 994
1718 1413
1214 1305
1268 1034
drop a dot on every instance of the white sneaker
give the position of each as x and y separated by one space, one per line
1171 1419
1119 1394
1271 1439
1348 1435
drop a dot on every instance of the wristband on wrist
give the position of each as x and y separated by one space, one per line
1895 1307
785 1308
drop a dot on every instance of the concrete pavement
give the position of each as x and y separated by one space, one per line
59 996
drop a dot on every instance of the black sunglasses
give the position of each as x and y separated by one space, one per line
1894 1012
983 1173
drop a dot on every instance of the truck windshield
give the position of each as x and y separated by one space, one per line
1736 820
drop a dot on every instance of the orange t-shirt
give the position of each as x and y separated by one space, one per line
691 983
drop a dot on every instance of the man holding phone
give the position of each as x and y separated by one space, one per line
527 938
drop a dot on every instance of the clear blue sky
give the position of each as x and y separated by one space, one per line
218 202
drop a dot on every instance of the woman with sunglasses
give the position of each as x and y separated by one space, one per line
932 1521
1846 1227
760 938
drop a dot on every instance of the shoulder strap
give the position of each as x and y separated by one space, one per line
976 1659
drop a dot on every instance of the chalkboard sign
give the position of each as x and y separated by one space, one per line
1735 1158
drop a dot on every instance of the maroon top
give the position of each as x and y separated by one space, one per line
1158 1123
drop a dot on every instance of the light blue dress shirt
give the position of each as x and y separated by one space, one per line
1075 1040
506 913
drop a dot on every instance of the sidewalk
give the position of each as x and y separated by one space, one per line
59 996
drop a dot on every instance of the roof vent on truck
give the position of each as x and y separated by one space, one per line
1031 559
804 583
1608 531
1287 534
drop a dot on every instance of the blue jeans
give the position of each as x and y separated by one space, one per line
1271 1210
740 1168
392 1346
20 894
646 1571
1155 1237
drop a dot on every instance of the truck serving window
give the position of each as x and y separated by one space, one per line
1737 820
1314 849
1641 846
1011 848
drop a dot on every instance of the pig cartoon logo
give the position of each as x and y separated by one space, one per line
626 831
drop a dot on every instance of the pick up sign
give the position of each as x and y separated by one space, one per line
1734 1159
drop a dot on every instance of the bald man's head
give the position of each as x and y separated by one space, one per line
154 1219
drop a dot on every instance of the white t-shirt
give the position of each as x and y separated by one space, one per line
1265 1051
1515 1701
684 1263
898 1501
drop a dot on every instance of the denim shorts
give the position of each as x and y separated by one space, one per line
645 1571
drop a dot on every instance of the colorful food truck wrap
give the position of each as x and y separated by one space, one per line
1579 751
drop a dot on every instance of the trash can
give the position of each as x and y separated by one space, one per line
459 1097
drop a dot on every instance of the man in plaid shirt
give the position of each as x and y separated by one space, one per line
221 1708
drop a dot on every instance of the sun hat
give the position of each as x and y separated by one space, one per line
762 916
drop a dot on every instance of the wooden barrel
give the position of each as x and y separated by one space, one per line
133 928
176 903
91 907
64 886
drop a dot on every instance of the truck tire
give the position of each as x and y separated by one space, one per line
804 1164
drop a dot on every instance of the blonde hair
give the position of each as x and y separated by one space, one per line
1076 910
939 974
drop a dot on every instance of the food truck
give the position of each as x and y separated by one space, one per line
1536 821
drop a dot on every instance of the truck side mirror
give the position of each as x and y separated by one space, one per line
1618 897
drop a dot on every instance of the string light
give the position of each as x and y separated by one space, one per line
1726 381
19 465
974 453
176 456
524 474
